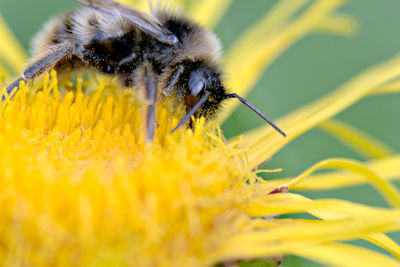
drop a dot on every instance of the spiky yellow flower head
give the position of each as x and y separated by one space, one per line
79 186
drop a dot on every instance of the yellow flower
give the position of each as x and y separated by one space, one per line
80 187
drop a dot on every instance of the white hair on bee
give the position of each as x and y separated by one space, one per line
40 42
90 23
199 42
206 45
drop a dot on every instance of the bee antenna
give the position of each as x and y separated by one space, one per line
259 113
192 111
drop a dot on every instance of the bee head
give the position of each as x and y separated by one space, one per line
203 84
203 93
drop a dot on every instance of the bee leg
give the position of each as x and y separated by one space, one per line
40 65
173 80
150 86
13 85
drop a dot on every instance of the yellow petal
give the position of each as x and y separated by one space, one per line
265 142
10 49
327 209
245 71
330 254
385 242
390 88
387 169
263 30
314 231
340 24
364 144
289 236
344 255
388 191
208 12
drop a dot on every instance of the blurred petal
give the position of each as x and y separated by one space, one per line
339 24
262 31
264 142
3 73
387 169
388 191
288 236
360 142
390 88
208 12
246 69
326 209
330 254
344 255
10 49
385 242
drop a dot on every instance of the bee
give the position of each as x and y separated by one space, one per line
163 53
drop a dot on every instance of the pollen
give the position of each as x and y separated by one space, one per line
81 185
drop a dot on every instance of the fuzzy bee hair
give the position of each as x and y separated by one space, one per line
163 53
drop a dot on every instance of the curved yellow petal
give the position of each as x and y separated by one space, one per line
306 233
245 71
385 242
344 255
388 191
265 142
326 209
387 168
314 231
332 254
364 144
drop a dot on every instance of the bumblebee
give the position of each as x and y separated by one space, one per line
163 53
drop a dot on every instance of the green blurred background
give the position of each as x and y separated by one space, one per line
308 70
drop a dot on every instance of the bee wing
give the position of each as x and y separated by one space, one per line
138 19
